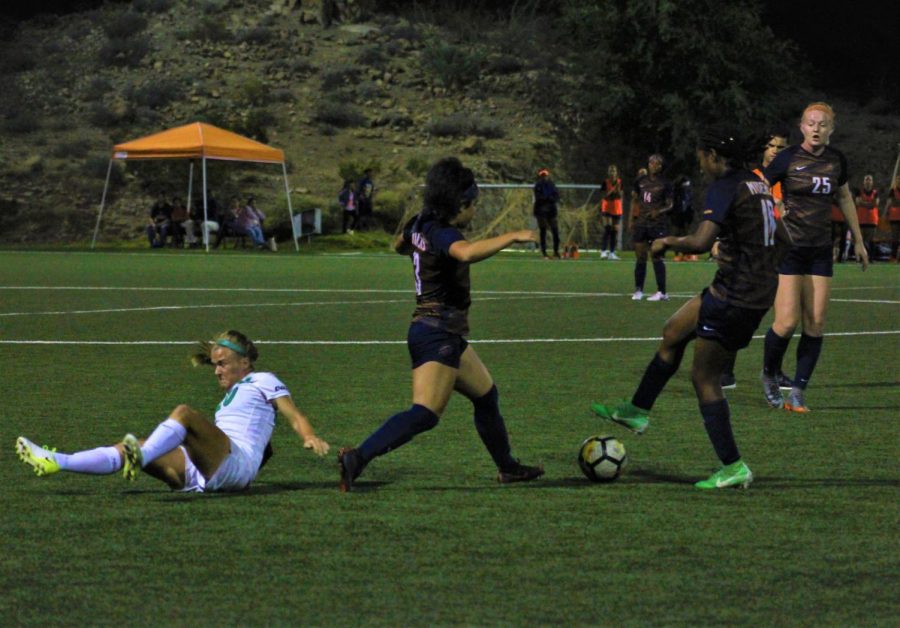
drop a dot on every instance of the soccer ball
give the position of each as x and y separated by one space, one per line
602 458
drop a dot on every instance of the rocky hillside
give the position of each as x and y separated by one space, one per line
384 93
338 89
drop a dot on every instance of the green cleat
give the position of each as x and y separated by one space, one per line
625 414
733 475
133 457
40 459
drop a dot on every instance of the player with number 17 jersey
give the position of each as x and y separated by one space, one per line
809 183
743 207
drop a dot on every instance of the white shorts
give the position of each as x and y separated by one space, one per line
234 474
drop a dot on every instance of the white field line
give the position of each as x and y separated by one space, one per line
156 308
391 342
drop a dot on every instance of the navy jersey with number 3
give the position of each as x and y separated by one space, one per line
442 282
809 183
741 204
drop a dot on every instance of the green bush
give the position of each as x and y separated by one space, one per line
97 89
390 207
417 166
452 66
338 114
372 57
353 168
21 122
95 169
127 52
256 124
157 94
462 125
504 64
124 25
256 35
101 115
368 90
16 58
253 92
152 6
208 28
339 76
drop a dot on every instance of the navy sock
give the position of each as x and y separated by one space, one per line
659 269
808 350
612 240
717 421
640 274
491 429
773 353
652 383
398 430
607 237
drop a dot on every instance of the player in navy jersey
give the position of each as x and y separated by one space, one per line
442 360
813 176
651 200
739 211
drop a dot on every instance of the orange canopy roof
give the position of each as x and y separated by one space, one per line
195 140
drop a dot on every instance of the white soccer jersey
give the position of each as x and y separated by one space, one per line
246 413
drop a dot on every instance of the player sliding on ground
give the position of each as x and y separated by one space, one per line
186 451
442 360
739 211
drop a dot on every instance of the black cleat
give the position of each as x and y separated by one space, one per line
728 381
520 473
350 464
785 382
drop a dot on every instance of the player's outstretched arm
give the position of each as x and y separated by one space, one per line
472 252
698 242
301 425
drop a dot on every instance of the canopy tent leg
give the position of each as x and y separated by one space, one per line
287 192
205 212
102 203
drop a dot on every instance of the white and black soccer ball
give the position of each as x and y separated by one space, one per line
602 458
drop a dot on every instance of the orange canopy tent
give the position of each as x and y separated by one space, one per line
202 141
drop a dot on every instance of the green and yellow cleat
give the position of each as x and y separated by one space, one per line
734 475
625 414
134 458
40 459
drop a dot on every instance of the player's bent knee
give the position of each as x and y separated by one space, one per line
183 413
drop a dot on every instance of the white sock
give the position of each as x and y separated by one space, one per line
167 436
99 461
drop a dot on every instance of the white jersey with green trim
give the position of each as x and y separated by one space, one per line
247 415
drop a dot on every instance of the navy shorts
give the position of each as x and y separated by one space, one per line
649 233
808 260
729 325
431 344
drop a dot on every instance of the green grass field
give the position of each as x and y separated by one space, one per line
93 345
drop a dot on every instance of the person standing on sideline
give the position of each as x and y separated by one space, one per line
187 451
347 201
365 195
739 211
867 203
892 210
813 175
546 210
651 201
611 212
442 360
838 234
